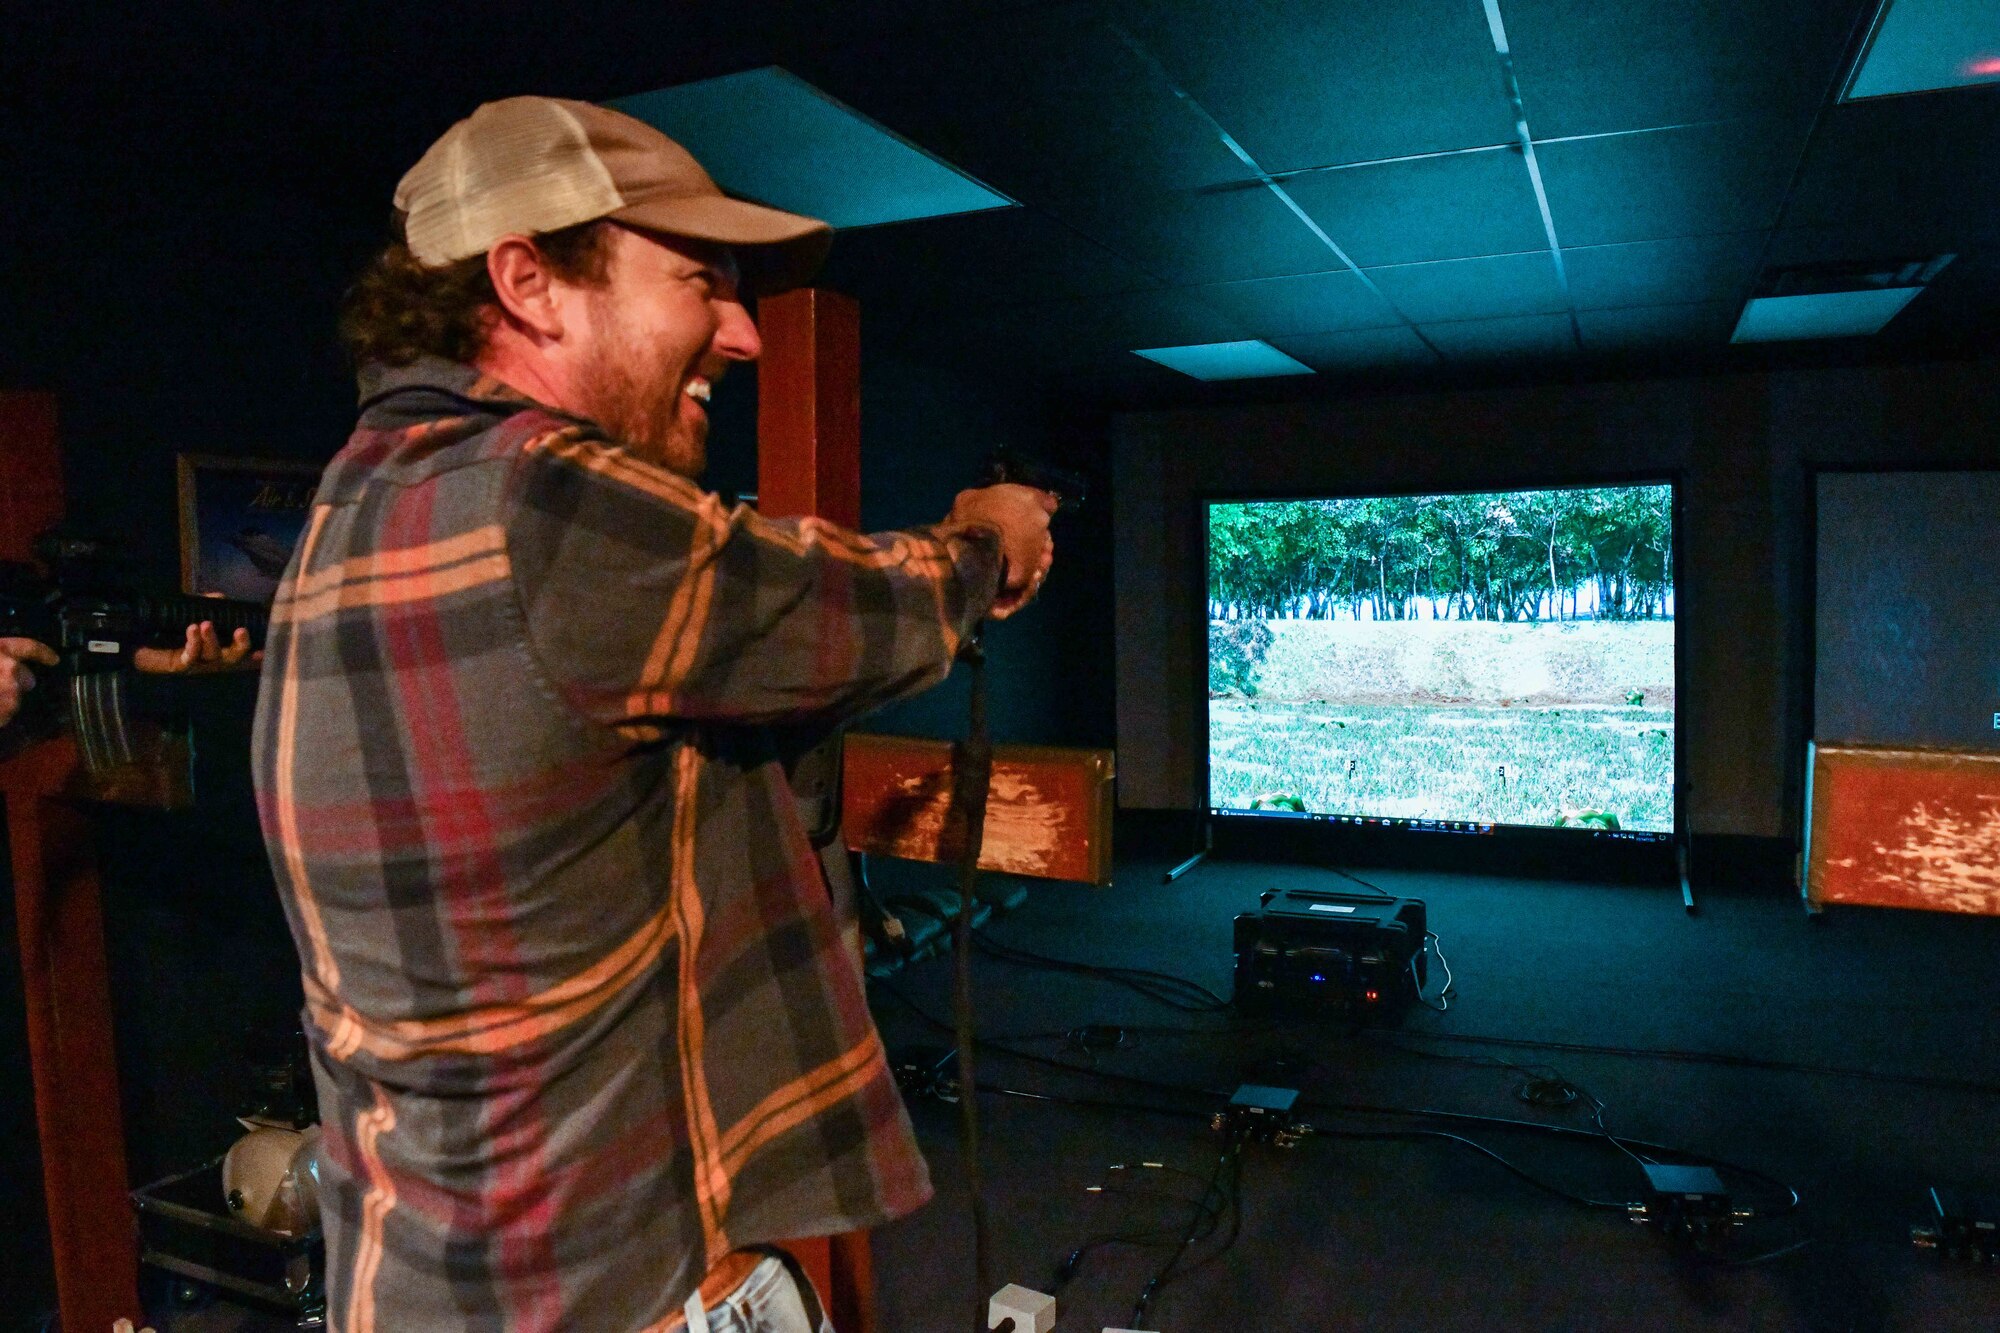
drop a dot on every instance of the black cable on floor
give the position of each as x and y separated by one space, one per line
1178 992
1204 1223
1937 1081
1606 1205
1229 1155
1213 1096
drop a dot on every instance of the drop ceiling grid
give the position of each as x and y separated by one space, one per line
1661 188
1200 66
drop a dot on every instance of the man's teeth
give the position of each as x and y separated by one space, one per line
699 389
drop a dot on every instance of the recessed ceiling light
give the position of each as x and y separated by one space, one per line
1821 315
1918 46
1226 361
768 135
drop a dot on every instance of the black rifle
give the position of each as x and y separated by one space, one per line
73 602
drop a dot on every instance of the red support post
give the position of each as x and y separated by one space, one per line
809 407
65 981
809 463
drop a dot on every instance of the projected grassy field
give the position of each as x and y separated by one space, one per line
1504 723
1486 765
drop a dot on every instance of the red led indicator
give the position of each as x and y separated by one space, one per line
1373 996
1983 67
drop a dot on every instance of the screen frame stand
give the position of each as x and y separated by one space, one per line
1683 838
1205 828
1813 909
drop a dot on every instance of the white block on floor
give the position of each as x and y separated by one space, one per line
1031 1311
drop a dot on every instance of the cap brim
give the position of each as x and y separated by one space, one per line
777 250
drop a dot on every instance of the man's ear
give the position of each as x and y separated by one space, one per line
525 287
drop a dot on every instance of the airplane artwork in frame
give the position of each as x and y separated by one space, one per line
240 520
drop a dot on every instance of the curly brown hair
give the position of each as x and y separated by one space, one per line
400 308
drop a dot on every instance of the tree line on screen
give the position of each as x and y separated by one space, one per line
1602 554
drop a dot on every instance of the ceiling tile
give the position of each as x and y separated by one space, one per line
1927 163
1305 83
1147 319
1456 289
1005 257
1704 324
1033 102
1958 310
1697 181
1503 339
1070 333
1798 246
1452 207
1311 303
1359 349
1680 271
1202 237
1595 68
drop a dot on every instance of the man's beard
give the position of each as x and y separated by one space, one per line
637 400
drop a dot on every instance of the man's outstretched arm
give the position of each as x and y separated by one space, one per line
647 599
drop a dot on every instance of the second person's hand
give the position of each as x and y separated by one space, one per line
202 654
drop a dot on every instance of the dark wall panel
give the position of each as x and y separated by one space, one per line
1905 652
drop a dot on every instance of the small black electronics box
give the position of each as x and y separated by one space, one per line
1348 955
1963 1226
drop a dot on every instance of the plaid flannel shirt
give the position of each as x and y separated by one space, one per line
582 1020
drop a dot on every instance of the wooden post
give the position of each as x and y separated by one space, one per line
65 982
809 463
809 407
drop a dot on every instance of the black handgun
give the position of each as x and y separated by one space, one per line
1020 468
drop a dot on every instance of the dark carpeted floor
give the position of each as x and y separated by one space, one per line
1343 1233
1888 1023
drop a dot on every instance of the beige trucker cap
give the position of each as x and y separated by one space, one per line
534 164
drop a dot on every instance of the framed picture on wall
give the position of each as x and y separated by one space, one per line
240 519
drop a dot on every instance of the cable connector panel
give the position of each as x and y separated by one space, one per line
1261 1114
1690 1205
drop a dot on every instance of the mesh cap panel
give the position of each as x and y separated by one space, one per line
524 165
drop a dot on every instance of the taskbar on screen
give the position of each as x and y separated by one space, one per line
1459 826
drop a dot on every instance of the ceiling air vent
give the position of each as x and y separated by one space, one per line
1837 300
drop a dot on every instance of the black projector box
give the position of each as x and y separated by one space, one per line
1351 955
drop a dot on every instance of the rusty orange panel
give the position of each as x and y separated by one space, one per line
1904 828
1048 814
809 406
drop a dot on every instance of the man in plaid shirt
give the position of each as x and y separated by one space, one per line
585 1032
